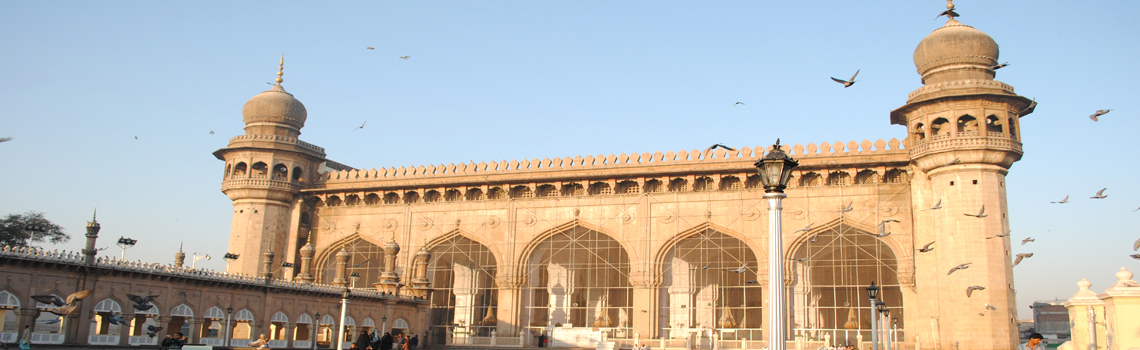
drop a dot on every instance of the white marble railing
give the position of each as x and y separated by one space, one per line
102 339
109 262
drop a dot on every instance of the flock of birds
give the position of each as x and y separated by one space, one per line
66 306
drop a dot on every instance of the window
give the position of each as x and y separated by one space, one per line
629 187
679 185
838 178
967 126
866 177
475 194
496 193
896 176
601 188
703 183
432 196
411 197
810 179
522 192
731 183
280 172
547 190
453 195
653 186
573 189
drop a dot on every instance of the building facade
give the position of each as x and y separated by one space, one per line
666 247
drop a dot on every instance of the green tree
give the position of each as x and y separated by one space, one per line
27 228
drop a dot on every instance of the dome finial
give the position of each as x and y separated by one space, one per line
949 6
949 13
280 67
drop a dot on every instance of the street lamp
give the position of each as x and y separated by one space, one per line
229 257
317 324
229 310
885 335
126 243
383 324
873 294
354 276
343 309
197 257
775 171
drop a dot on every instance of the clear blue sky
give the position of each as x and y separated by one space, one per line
494 80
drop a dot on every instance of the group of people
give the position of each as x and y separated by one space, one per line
367 341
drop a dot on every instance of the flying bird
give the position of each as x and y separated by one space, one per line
718 145
970 290
1100 194
980 214
927 248
751 282
1136 246
1137 209
211 132
805 229
1098 113
1135 256
740 269
990 307
883 231
53 321
803 259
937 205
49 300
1063 201
738 103
362 125
959 267
405 57
361 263
152 331
1021 256
117 319
5 139
141 299
1000 66
370 48
1030 239
706 267
814 239
850 207
136 137
949 13
847 83
1000 235
955 161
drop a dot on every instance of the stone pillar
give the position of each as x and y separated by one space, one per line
645 308
389 308
509 305
164 322
1078 307
341 268
306 261
125 331
389 279
1121 305
195 330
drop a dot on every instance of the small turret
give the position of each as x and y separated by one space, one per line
92 234
179 257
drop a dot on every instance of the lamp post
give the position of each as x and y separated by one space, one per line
317 324
873 294
775 171
383 325
886 329
126 243
343 310
194 263
229 310
229 257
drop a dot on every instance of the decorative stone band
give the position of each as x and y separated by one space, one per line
601 161
1001 142
278 138
956 60
959 84
112 263
260 183
274 119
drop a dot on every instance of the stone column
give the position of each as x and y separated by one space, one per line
509 307
645 308
125 331
164 322
1121 305
195 329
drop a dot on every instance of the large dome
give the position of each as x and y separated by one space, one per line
955 51
275 106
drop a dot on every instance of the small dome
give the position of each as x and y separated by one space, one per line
275 106
391 248
424 252
959 48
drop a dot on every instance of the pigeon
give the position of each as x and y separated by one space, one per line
738 103
211 132
64 310
1098 113
990 307
63 306
136 137
1100 194
850 207
52 321
5 139
405 57
981 214
1030 239
714 146
970 290
1137 209
49 299
361 263
740 269
1136 246
117 319
362 125
805 229
1000 235
77 296
1021 256
1135 256
937 205
927 248
751 282
152 331
884 222
802 259
370 48
141 299
706 267
955 161
847 83
814 239
949 13
1000 66
959 267
1063 201
883 231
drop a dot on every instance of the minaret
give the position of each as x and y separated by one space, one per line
306 261
179 257
963 136
92 234
265 170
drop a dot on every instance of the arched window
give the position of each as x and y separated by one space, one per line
967 125
432 196
940 129
179 320
453 195
372 199
364 258
103 330
832 271
600 188
352 200
993 126
577 276
547 190
810 179
629 187
227 173
9 303
919 132
280 172
243 328
259 170
866 177
496 193
325 331
462 274
522 192
239 169
678 185
213 327
49 323
303 331
277 326
475 194
895 176
411 197
573 189
333 201
391 198
653 186
298 174
349 329
838 178
1012 129
703 183
709 281
731 183
754 182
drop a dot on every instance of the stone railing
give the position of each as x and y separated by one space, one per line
108 262
926 147
278 138
286 185
611 161
960 84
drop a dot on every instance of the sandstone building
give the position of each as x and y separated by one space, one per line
664 246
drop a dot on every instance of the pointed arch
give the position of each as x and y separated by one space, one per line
244 315
215 313
835 225
446 236
279 317
400 323
567 226
108 305
663 250
368 322
182 310
9 300
304 318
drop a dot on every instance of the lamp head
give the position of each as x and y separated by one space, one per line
873 291
775 169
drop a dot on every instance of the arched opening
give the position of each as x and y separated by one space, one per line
333 201
213 324
302 333
325 330
993 126
351 200
919 132
496 193
227 173
833 269
573 189
1012 129
391 198
48 327
895 176
298 174
371 199
628 187
754 182
940 128
277 328
105 325
866 177
475 194
709 281
259 170
453 195
678 185
9 303
242 332
653 186
703 183
367 325
411 197
600 188
141 326
462 275
967 125
179 320
731 183
349 328
810 179
239 170
522 192
838 178
364 258
432 196
547 190
578 277
280 172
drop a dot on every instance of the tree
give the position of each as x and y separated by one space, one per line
27 228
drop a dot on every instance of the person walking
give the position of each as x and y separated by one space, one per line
385 342
412 343
362 340
26 338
